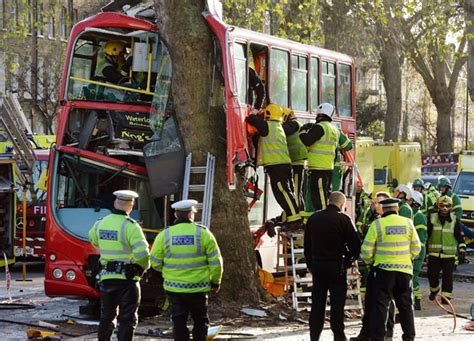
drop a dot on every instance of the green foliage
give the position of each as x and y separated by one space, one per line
370 118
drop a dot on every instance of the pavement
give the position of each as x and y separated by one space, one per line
431 323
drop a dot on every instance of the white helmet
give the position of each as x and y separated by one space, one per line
325 109
405 189
417 197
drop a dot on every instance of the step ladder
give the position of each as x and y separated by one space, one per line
300 281
14 121
202 192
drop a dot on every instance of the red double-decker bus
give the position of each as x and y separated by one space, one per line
119 135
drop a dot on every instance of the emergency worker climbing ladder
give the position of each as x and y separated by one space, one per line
273 155
322 138
298 153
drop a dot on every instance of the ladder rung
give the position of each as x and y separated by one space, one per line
303 294
301 266
197 188
304 280
198 169
298 251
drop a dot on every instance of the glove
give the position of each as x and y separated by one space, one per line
462 257
305 127
132 270
270 228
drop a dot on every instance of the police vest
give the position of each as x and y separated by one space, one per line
321 154
273 149
393 246
191 258
296 148
118 243
442 241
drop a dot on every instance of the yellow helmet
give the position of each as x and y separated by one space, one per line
287 114
444 204
114 48
273 112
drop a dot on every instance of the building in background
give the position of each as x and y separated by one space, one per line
33 36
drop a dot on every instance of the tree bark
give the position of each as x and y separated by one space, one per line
444 106
190 43
469 10
391 68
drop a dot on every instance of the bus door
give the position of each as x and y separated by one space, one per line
7 208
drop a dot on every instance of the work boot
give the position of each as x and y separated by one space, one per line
360 338
417 304
433 295
293 226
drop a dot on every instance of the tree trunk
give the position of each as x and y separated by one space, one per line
469 10
190 42
391 68
444 107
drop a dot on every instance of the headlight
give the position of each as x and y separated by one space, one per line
71 275
52 257
57 273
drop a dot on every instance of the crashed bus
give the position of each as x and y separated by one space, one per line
117 135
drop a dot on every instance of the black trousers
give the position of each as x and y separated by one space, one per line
124 295
320 185
390 285
369 303
181 305
298 180
328 276
437 265
283 188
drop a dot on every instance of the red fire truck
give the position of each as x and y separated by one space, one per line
107 132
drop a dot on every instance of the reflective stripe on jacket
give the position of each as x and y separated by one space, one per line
273 149
322 153
119 238
442 241
189 258
391 244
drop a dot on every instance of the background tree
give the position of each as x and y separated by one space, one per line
190 51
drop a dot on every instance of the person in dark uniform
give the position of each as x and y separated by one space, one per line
256 87
122 267
331 244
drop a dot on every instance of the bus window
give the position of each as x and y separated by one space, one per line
279 64
344 90
299 83
314 83
240 64
329 83
126 74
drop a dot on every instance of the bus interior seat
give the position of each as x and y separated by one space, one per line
81 220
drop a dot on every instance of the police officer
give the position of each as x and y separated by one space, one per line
322 138
445 239
124 257
298 153
189 258
420 222
273 155
390 246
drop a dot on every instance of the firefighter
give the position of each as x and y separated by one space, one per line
445 239
189 258
403 193
431 195
256 87
322 138
124 257
273 155
390 246
298 153
113 69
420 222
445 188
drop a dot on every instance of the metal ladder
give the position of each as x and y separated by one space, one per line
16 125
206 189
301 280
